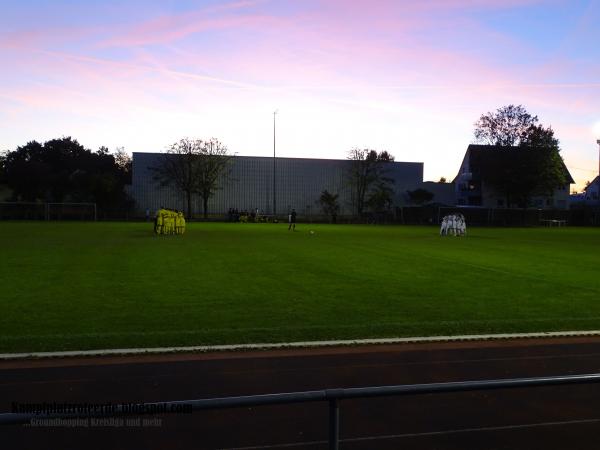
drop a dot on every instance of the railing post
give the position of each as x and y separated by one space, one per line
334 424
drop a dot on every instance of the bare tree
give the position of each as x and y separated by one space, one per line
194 166
124 162
367 169
214 166
507 126
329 204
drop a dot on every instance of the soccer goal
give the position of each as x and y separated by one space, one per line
48 211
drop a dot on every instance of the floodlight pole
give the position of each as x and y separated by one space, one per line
598 142
274 194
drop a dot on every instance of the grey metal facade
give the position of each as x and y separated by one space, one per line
299 183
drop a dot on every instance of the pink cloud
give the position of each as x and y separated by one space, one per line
168 28
45 37
367 57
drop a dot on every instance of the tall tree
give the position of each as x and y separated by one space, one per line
124 162
63 170
367 170
3 156
194 166
329 204
381 197
526 158
419 196
505 127
215 162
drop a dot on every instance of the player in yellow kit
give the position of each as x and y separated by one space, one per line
159 222
169 221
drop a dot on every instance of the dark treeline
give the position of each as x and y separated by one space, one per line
62 170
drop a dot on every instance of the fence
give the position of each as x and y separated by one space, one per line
332 396
432 215
48 211
408 215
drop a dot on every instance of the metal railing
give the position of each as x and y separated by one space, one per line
332 396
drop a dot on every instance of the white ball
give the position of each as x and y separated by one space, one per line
312 232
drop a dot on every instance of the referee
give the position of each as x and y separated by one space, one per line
292 220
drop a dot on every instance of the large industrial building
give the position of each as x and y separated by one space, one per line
249 186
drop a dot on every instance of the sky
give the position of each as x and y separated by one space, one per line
409 77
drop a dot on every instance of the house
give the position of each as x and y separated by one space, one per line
473 187
591 195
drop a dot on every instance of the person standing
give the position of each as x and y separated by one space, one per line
292 220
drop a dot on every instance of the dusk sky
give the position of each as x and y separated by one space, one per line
410 77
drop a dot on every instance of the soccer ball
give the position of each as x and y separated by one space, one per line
312 232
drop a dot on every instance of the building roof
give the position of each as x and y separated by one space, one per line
478 154
593 183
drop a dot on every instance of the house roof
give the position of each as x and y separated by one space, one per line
593 182
477 154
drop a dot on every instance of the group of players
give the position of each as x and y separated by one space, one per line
453 225
169 221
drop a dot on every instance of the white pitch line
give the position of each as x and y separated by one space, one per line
302 344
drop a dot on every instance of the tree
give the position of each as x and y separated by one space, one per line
443 180
329 204
215 162
381 197
545 164
124 163
506 127
63 170
3 156
367 170
526 159
194 166
419 196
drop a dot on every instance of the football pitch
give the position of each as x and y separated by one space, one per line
75 286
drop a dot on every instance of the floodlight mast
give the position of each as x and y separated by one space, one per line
598 142
274 194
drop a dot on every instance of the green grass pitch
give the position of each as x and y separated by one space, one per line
71 286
